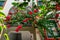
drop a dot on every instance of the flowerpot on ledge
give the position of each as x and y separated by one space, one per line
30 30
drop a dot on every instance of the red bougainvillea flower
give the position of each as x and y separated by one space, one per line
57 21
8 17
19 27
30 13
8 26
10 13
28 18
35 10
57 15
57 6
25 20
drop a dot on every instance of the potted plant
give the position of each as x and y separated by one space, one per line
39 16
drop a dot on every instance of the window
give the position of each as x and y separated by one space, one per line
15 36
2 3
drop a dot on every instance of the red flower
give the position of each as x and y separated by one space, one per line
25 20
35 10
10 13
58 7
8 17
8 26
30 13
57 21
19 27
57 15
28 18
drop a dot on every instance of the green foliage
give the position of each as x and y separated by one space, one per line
58 1
2 16
46 24
20 6
43 19
0 28
15 4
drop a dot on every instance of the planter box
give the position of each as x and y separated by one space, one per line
29 30
21 35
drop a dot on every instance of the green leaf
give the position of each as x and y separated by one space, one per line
41 31
25 4
2 14
22 5
15 4
0 28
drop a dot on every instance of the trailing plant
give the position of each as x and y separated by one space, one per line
37 16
